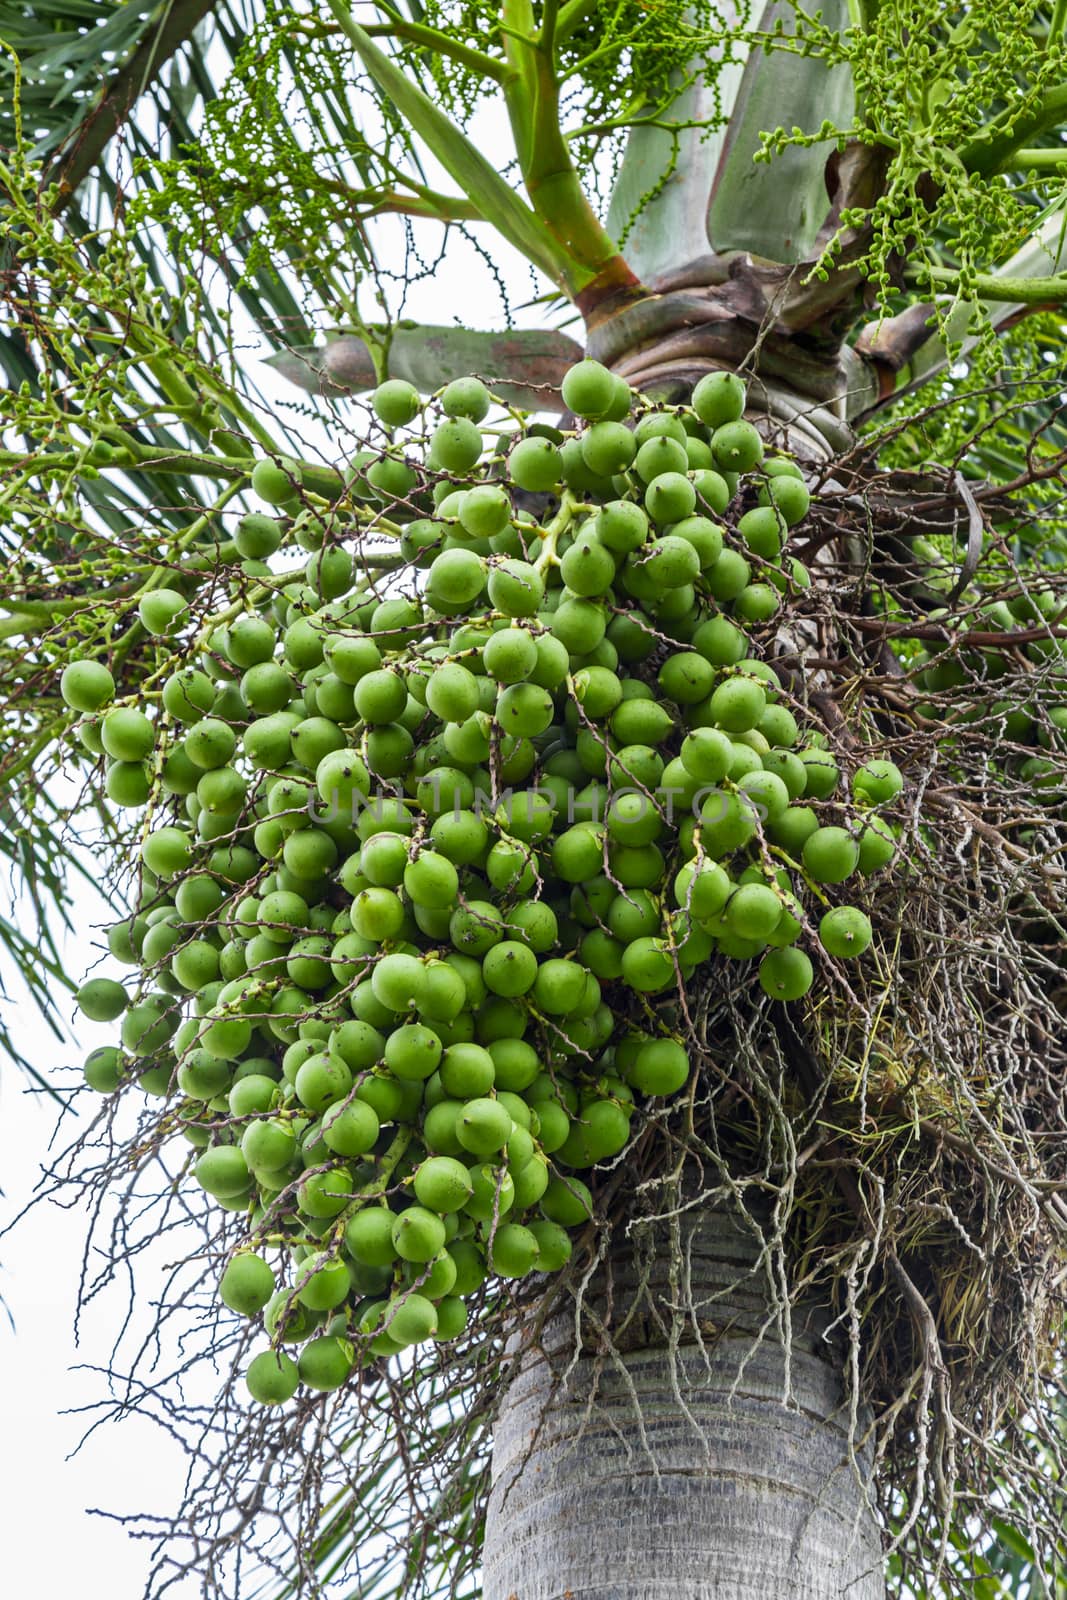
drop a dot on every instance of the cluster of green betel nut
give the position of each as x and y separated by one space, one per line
437 866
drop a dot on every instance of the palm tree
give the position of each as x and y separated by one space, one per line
763 1381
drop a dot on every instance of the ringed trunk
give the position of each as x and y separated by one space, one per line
689 1451
665 1433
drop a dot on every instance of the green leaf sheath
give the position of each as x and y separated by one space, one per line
776 209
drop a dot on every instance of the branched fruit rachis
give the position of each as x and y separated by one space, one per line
427 870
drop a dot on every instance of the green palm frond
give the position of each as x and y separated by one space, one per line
88 139
68 116
95 143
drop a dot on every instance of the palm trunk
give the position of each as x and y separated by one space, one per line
665 1436
695 1455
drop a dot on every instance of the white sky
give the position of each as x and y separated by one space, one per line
133 1466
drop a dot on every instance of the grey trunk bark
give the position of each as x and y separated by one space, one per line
668 1440
697 1460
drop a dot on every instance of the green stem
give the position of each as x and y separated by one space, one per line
426 203
571 17
31 616
150 458
24 622
549 175
479 178
442 44
554 531
1042 159
517 30
422 202
389 1163
158 357
987 286
1003 136
137 457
